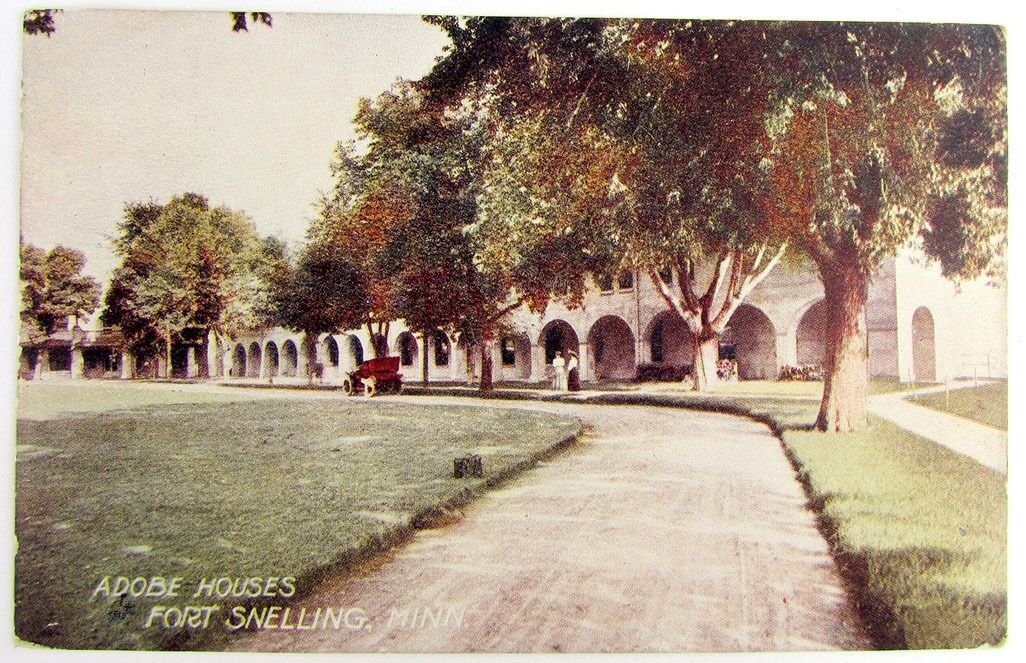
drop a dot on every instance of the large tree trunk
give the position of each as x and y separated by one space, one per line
846 381
486 366
705 353
424 363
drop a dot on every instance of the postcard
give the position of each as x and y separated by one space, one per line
362 333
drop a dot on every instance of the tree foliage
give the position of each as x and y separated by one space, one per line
406 206
187 268
678 142
885 137
53 287
600 144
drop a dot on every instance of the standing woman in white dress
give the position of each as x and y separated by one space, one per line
560 378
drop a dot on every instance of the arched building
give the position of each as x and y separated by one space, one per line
921 327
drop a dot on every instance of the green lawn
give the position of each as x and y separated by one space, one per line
921 530
239 489
986 404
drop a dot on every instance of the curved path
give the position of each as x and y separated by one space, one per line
663 530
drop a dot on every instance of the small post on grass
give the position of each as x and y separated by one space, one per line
468 466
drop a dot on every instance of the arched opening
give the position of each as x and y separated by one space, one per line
611 349
331 353
924 357
289 359
811 335
442 348
406 347
180 360
29 361
669 340
515 351
558 336
100 362
272 359
254 360
239 361
355 349
751 337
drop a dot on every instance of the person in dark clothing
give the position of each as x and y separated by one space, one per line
573 373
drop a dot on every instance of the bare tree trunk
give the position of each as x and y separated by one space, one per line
486 366
424 363
705 354
378 341
846 382
469 362
168 371
310 347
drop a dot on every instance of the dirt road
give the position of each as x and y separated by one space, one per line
664 530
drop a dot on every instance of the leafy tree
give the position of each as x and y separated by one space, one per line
413 199
53 287
322 292
844 142
188 269
598 134
885 136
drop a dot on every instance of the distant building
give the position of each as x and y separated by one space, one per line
921 327
71 353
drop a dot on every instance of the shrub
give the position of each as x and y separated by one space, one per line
802 373
662 372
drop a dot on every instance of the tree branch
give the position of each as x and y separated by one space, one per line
689 316
749 283
686 279
722 262
503 312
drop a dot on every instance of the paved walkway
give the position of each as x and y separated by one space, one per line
664 530
984 444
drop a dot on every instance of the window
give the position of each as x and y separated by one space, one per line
441 342
60 359
407 349
355 349
509 352
657 343
605 282
626 281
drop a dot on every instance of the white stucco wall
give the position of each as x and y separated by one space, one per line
970 320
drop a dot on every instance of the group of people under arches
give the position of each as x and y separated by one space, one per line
567 374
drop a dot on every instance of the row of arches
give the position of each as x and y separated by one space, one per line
750 338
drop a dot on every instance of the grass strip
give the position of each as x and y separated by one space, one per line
986 404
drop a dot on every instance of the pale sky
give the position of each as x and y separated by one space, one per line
122 106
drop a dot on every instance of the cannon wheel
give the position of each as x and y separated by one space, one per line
370 387
347 387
